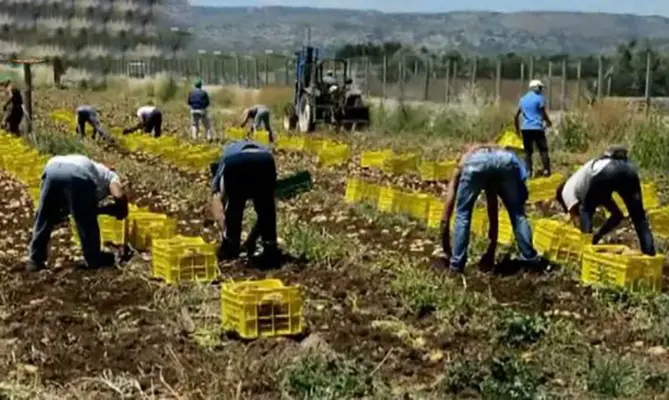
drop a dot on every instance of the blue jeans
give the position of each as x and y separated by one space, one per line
495 171
84 117
63 188
262 119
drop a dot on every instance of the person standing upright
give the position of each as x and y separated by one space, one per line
198 100
532 108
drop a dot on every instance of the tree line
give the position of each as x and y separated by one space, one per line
623 72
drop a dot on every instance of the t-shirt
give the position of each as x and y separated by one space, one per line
87 110
577 186
530 108
229 151
145 112
86 168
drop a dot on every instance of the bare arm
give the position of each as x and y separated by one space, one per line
549 123
116 190
217 210
516 121
611 223
244 118
448 212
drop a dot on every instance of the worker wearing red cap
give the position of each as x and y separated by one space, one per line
75 184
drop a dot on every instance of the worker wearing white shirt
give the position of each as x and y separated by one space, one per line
593 185
76 184
150 121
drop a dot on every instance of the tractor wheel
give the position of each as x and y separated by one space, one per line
306 118
289 118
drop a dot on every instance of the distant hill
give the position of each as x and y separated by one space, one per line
255 29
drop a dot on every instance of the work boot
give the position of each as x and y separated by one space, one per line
271 257
33 266
227 251
105 260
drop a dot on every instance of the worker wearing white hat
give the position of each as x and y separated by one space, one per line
532 107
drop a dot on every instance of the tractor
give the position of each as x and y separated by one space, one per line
324 96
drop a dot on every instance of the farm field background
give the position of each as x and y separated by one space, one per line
382 321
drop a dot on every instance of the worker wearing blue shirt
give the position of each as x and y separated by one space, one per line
245 171
532 108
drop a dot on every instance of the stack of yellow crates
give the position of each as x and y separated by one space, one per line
616 265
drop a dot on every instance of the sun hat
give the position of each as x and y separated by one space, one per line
535 84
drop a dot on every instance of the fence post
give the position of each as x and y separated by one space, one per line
428 70
384 78
563 86
600 77
402 75
522 78
266 70
648 92
498 82
455 75
474 70
367 71
550 84
255 72
531 71
237 71
447 82
579 69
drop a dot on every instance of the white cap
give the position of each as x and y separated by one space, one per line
536 83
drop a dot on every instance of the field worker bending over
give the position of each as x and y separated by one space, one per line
259 114
498 172
532 107
74 183
88 114
150 121
593 185
198 101
13 110
245 171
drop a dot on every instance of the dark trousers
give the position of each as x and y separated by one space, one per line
84 117
530 137
14 121
621 177
62 190
154 124
250 176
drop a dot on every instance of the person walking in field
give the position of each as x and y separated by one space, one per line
198 101
593 185
87 114
260 116
245 171
532 109
13 109
74 184
497 172
150 120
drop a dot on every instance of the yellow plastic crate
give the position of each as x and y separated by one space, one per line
147 226
354 190
264 308
34 195
559 241
374 159
659 221
313 145
510 139
370 193
235 133
112 230
435 212
648 195
262 137
335 155
291 142
388 199
436 170
184 259
401 164
615 265
544 188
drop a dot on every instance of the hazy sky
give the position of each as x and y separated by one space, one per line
644 7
